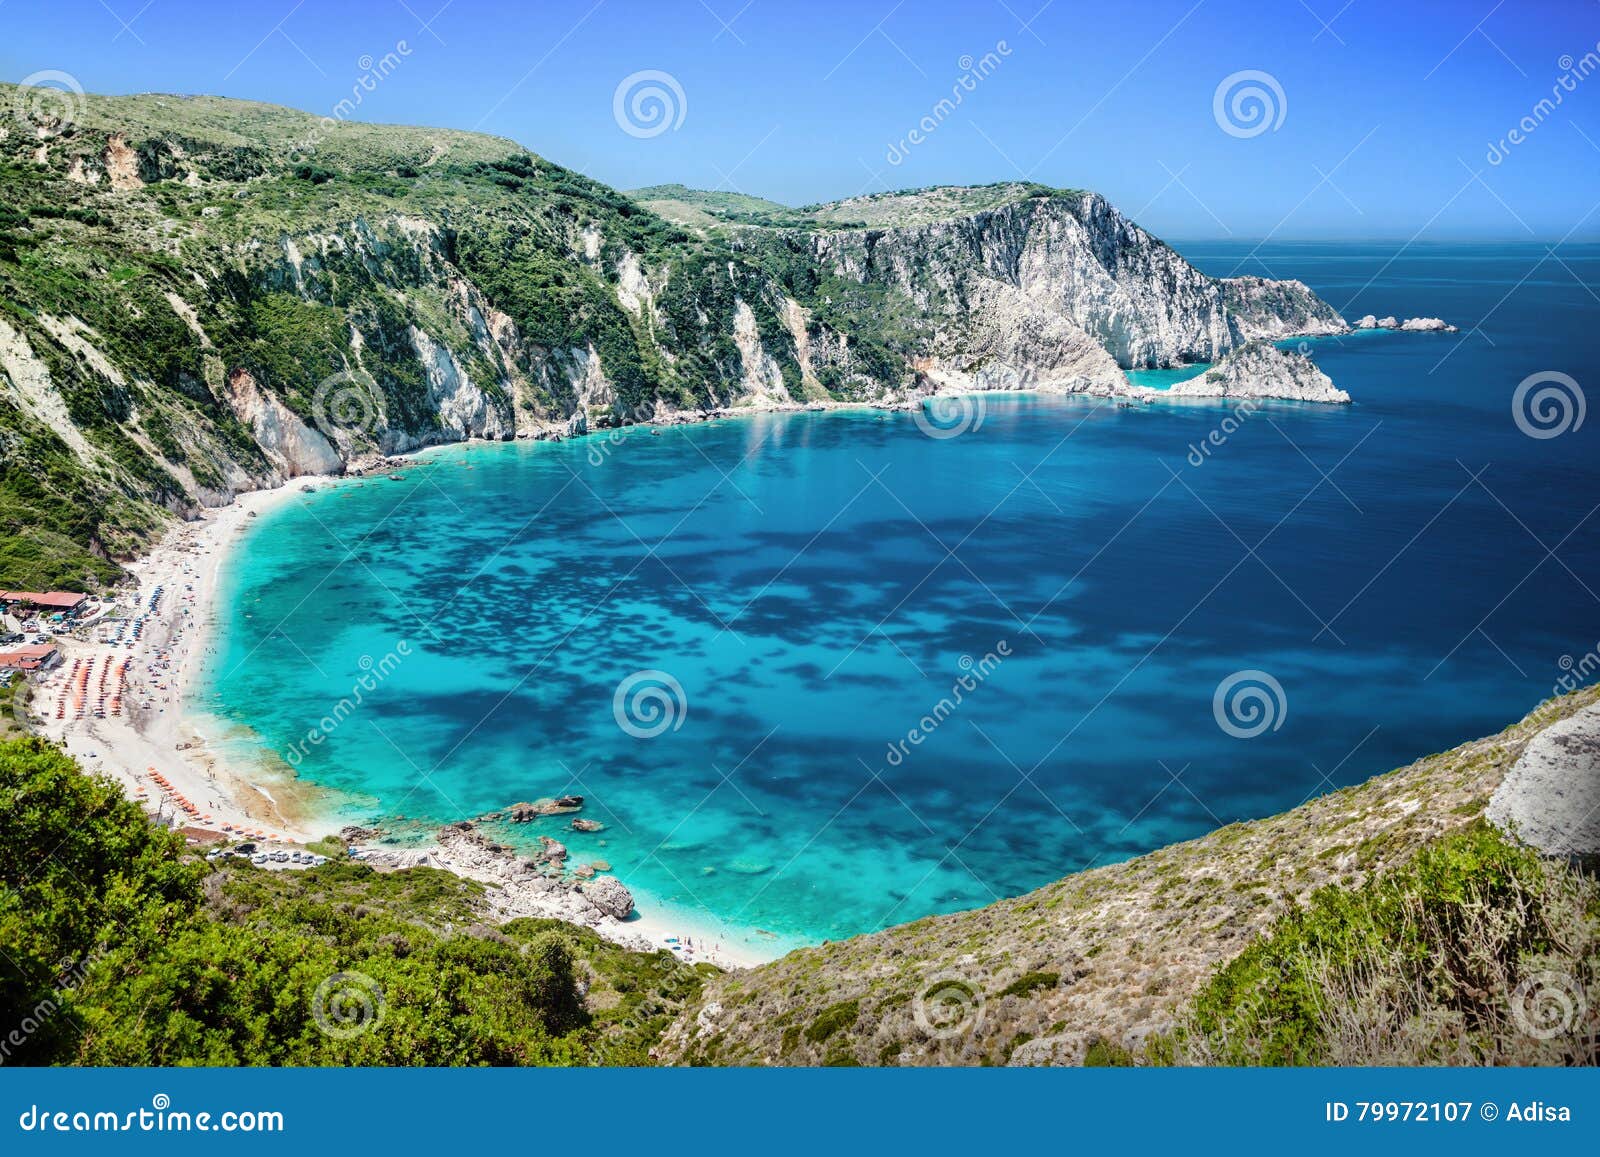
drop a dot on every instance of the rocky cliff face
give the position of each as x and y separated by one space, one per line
1274 310
1070 259
207 295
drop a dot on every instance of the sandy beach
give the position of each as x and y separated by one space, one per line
117 702
161 632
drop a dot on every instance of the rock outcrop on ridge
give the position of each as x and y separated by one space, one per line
1551 797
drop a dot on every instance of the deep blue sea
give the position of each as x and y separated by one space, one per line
1412 571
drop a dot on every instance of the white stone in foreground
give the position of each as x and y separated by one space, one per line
1550 799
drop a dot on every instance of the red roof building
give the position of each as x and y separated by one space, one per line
45 600
41 657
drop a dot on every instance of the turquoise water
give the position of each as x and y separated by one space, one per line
1165 379
815 584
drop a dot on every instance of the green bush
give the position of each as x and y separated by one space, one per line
1031 982
121 948
1417 966
833 1018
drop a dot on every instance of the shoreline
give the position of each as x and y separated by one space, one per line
165 731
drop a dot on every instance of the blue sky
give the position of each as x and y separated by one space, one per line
1383 128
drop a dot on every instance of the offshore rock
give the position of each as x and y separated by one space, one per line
1261 370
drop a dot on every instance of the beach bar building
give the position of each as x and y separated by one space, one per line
52 602
29 659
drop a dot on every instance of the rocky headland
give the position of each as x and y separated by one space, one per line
412 287
519 885
1260 370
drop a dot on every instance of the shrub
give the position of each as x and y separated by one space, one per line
1031 982
1420 966
833 1018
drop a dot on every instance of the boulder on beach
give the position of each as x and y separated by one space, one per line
609 895
552 849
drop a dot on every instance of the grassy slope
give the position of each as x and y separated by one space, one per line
1117 952
123 948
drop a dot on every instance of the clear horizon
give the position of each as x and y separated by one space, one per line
1202 119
